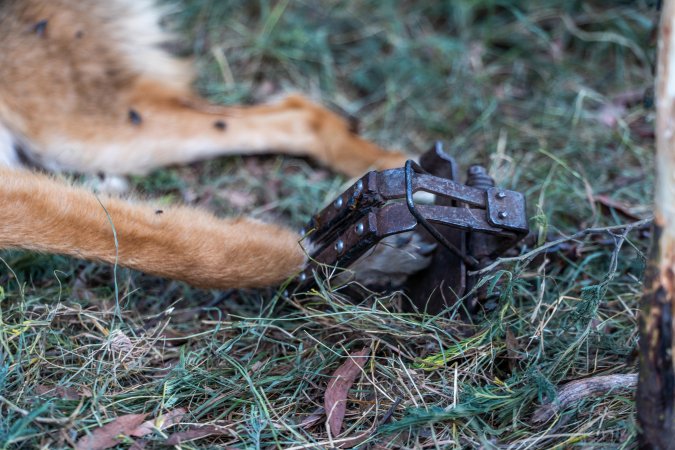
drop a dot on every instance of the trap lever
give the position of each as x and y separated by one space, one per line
473 224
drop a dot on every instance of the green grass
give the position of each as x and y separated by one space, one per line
518 86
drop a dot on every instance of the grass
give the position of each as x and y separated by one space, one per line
524 87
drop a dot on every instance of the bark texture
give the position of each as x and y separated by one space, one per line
656 384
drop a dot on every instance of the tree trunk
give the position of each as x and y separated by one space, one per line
656 386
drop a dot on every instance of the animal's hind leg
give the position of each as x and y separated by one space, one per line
42 214
160 130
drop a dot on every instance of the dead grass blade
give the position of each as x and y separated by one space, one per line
195 433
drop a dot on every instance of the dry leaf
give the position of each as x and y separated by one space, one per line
314 418
335 399
610 114
512 349
62 392
108 435
194 433
614 110
160 423
120 343
138 445
80 290
619 207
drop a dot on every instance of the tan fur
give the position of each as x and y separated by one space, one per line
85 87
179 242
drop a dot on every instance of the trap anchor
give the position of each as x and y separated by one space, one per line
472 223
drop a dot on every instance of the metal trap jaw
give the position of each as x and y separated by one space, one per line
472 224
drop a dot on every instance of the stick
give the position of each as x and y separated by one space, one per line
575 391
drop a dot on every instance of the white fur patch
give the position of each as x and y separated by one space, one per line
8 156
391 262
108 184
135 27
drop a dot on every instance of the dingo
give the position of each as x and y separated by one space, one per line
85 87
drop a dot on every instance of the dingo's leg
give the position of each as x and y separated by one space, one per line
86 87
153 131
43 214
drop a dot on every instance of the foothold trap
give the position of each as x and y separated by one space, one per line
472 224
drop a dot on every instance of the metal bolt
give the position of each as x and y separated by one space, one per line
502 214
501 195
359 229
476 169
359 185
339 202
339 246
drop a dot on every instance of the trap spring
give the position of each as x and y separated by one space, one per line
472 223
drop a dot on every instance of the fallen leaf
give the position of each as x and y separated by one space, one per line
138 445
619 207
335 398
194 433
120 342
256 366
313 419
80 290
62 392
610 114
109 434
512 349
614 110
162 422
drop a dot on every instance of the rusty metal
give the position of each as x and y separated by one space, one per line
473 222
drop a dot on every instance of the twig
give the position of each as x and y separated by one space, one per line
531 254
385 418
577 390
390 412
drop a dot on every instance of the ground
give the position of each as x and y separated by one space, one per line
554 99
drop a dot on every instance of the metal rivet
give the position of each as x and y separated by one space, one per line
501 195
503 214
339 202
303 276
359 185
339 246
359 229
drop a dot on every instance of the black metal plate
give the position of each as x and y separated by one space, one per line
506 209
